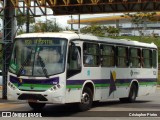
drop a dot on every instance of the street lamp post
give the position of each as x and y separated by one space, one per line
71 22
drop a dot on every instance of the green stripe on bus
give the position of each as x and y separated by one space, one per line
117 84
102 85
34 85
41 86
148 83
74 86
123 84
35 88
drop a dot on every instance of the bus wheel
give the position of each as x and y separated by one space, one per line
86 99
133 93
36 106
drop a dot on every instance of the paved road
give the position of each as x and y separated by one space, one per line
146 105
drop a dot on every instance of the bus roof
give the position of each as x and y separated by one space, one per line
118 41
73 35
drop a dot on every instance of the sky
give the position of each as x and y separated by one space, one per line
62 20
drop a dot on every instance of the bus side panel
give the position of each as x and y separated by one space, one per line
97 76
73 95
101 94
73 89
147 81
143 76
121 92
146 90
122 82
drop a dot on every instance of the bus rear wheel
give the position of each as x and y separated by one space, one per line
36 106
132 95
86 99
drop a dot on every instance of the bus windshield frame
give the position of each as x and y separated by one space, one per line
38 57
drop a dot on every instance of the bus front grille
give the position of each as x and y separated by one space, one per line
32 97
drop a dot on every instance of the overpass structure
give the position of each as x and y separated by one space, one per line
112 19
66 7
60 7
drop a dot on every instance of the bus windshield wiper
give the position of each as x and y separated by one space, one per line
24 63
43 66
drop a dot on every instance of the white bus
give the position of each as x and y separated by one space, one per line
67 67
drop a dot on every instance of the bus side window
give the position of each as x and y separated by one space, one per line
90 54
146 54
154 59
135 57
107 56
122 56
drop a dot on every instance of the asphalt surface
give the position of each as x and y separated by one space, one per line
145 107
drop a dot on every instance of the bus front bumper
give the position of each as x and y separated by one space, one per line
48 96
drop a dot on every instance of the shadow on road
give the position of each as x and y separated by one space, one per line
71 110
115 103
59 110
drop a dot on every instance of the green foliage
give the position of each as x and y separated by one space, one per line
112 31
94 29
21 20
98 30
20 32
47 26
140 18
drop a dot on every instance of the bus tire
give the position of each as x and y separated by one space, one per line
36 106
133 93
86 99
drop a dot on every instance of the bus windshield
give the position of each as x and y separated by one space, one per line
38 56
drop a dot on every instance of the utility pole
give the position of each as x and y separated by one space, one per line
71 22
27 22
79 23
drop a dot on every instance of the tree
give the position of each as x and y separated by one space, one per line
112 31
47 26
140 18
95 30
101 30
21 20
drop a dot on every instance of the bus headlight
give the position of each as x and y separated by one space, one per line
11 85
55 87
58 86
